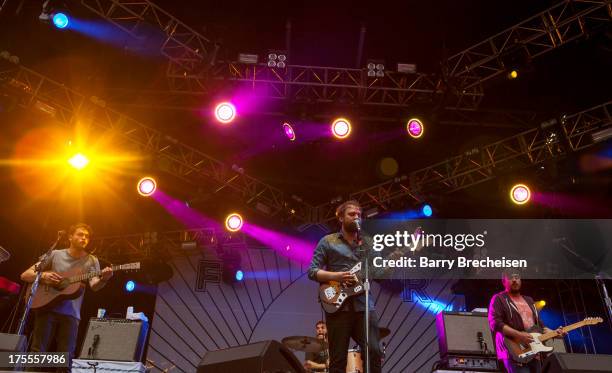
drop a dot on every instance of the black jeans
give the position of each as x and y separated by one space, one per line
49 326
343 325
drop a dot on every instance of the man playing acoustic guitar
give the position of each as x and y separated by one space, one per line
60 321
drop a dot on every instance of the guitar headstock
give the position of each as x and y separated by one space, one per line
131 266
592 320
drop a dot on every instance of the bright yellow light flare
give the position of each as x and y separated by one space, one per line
78 161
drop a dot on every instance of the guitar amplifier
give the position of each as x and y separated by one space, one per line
114 339
464 333
13 343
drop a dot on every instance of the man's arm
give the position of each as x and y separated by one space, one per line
98 282
319 259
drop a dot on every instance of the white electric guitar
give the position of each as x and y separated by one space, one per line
523 354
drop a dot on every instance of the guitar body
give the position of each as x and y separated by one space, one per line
524 354
48 295
333 294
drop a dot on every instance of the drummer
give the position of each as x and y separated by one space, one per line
318 361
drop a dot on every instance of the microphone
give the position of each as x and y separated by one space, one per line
480 340
358 224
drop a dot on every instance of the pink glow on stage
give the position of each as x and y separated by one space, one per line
415 128
190 218
573 205
299 250
289 132
225 112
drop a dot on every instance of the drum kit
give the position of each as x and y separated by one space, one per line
354 364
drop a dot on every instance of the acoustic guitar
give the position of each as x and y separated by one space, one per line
70 287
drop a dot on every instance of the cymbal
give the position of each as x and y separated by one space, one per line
383 332
304 343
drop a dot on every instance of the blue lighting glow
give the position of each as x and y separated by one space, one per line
130 286
60 20
239 275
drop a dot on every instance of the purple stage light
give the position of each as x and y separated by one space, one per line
415 128
520 194
289 132
146 186
233 222
341 128
225 112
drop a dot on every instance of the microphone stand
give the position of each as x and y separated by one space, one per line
38 269
606 297
366 286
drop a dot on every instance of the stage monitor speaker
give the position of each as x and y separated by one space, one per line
464 333
114 339
259 357
13 342
577 363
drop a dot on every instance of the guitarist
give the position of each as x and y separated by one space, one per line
334 255
510 315
61 321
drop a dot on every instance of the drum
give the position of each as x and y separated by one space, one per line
353 362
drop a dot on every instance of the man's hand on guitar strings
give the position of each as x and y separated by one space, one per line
52 278
106 274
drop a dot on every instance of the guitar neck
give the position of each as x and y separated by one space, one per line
89 275
552 334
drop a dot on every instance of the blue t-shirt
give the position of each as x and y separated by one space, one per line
61 261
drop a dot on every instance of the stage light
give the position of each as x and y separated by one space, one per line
520 194
146 186
225 112
427 210
415 128
289 132
540 304
78 161
130 286
341 128
513 74
60 20
233 222
239 275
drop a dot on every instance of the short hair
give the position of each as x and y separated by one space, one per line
76 226
508 273
343 206
320 322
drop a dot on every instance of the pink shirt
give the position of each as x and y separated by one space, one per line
524 311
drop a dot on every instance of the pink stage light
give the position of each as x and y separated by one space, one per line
415 128
225 112
146 186
289 132
233 222
341 128
520 194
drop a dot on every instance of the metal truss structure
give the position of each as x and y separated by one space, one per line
185 48
183 161
527 148
545 31
193 70
146 245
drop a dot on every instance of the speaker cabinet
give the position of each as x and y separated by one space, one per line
259 357
577 363
464 333
114 339
13 343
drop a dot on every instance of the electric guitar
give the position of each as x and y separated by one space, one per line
334 293
70 287
524 354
